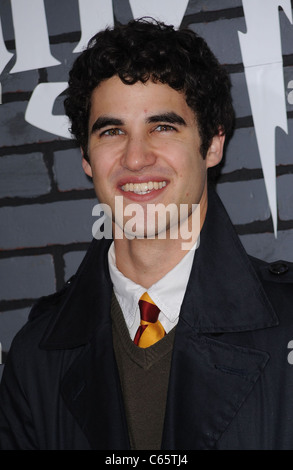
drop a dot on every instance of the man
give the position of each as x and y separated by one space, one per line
150 108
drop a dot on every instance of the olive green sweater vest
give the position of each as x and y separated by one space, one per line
144 376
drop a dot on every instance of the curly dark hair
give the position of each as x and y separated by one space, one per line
144 50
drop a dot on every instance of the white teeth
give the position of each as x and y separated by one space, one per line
144 188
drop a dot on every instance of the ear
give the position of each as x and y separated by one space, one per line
86 166
215 151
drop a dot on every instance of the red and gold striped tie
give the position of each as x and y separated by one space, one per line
150 330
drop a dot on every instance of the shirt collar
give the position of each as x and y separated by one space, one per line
167 293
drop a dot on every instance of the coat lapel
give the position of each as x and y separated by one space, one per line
92 392
91 387
211 378
208 384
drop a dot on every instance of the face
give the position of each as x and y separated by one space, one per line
144 147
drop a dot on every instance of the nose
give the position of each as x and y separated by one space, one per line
137 154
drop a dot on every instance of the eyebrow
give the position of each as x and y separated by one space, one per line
104 121
169 117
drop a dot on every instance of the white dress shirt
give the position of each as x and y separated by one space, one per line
167 293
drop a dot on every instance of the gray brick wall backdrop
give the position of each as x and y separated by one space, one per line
45 199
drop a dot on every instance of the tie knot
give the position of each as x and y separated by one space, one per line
150 329
148 310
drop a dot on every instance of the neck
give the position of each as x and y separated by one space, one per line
146 263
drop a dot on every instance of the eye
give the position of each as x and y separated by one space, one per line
165 128
112 132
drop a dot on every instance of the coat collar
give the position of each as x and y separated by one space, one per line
85 303
224 293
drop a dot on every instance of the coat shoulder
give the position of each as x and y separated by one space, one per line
280 272
277 281
49 302
44 310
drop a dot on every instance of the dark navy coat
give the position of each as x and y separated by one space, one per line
231 379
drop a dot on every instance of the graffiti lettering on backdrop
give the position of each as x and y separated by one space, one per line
260 47
33 48
262 57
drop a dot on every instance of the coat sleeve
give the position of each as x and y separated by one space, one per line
16 424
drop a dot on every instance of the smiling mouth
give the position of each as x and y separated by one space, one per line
143 188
